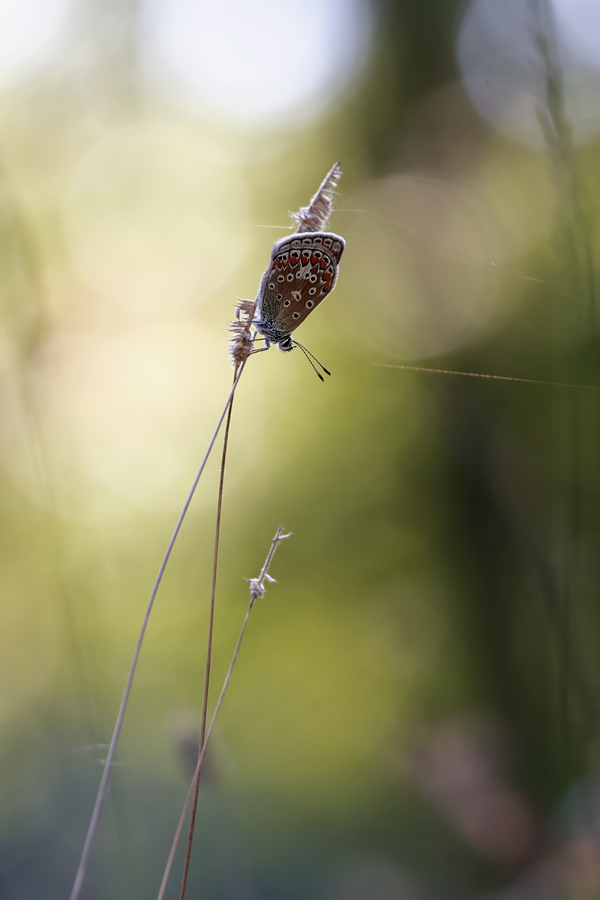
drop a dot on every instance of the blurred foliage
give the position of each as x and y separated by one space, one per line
415 710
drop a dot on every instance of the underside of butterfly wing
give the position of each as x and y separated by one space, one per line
303 271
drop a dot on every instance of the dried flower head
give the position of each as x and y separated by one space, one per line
314 217
240 344
257 585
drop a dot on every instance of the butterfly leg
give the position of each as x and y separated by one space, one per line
262 349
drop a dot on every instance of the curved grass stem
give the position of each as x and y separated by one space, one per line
211 624
87 847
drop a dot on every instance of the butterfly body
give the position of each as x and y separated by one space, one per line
302 272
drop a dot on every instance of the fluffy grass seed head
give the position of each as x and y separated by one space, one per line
315 216
240 344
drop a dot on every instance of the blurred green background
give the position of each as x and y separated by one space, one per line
415 710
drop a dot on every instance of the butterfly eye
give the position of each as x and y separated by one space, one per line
280 278
279 296
296 315
313 278
271 287
285 302
290 277
309 304
312 291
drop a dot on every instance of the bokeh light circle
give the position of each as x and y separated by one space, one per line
579 23
424 269
506 76
31 32
264 61
126 413
155 217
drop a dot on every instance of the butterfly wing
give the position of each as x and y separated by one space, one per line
303 271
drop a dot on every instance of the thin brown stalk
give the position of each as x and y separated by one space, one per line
87 847
211 622
257 590
581 387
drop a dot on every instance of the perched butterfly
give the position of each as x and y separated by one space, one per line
302 272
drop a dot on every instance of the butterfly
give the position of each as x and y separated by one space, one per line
302 272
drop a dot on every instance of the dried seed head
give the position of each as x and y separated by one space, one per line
240 344
257 585
314 217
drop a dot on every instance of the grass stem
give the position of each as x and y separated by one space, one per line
257 590
211 623
87 847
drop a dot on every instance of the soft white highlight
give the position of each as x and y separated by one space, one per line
264 61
